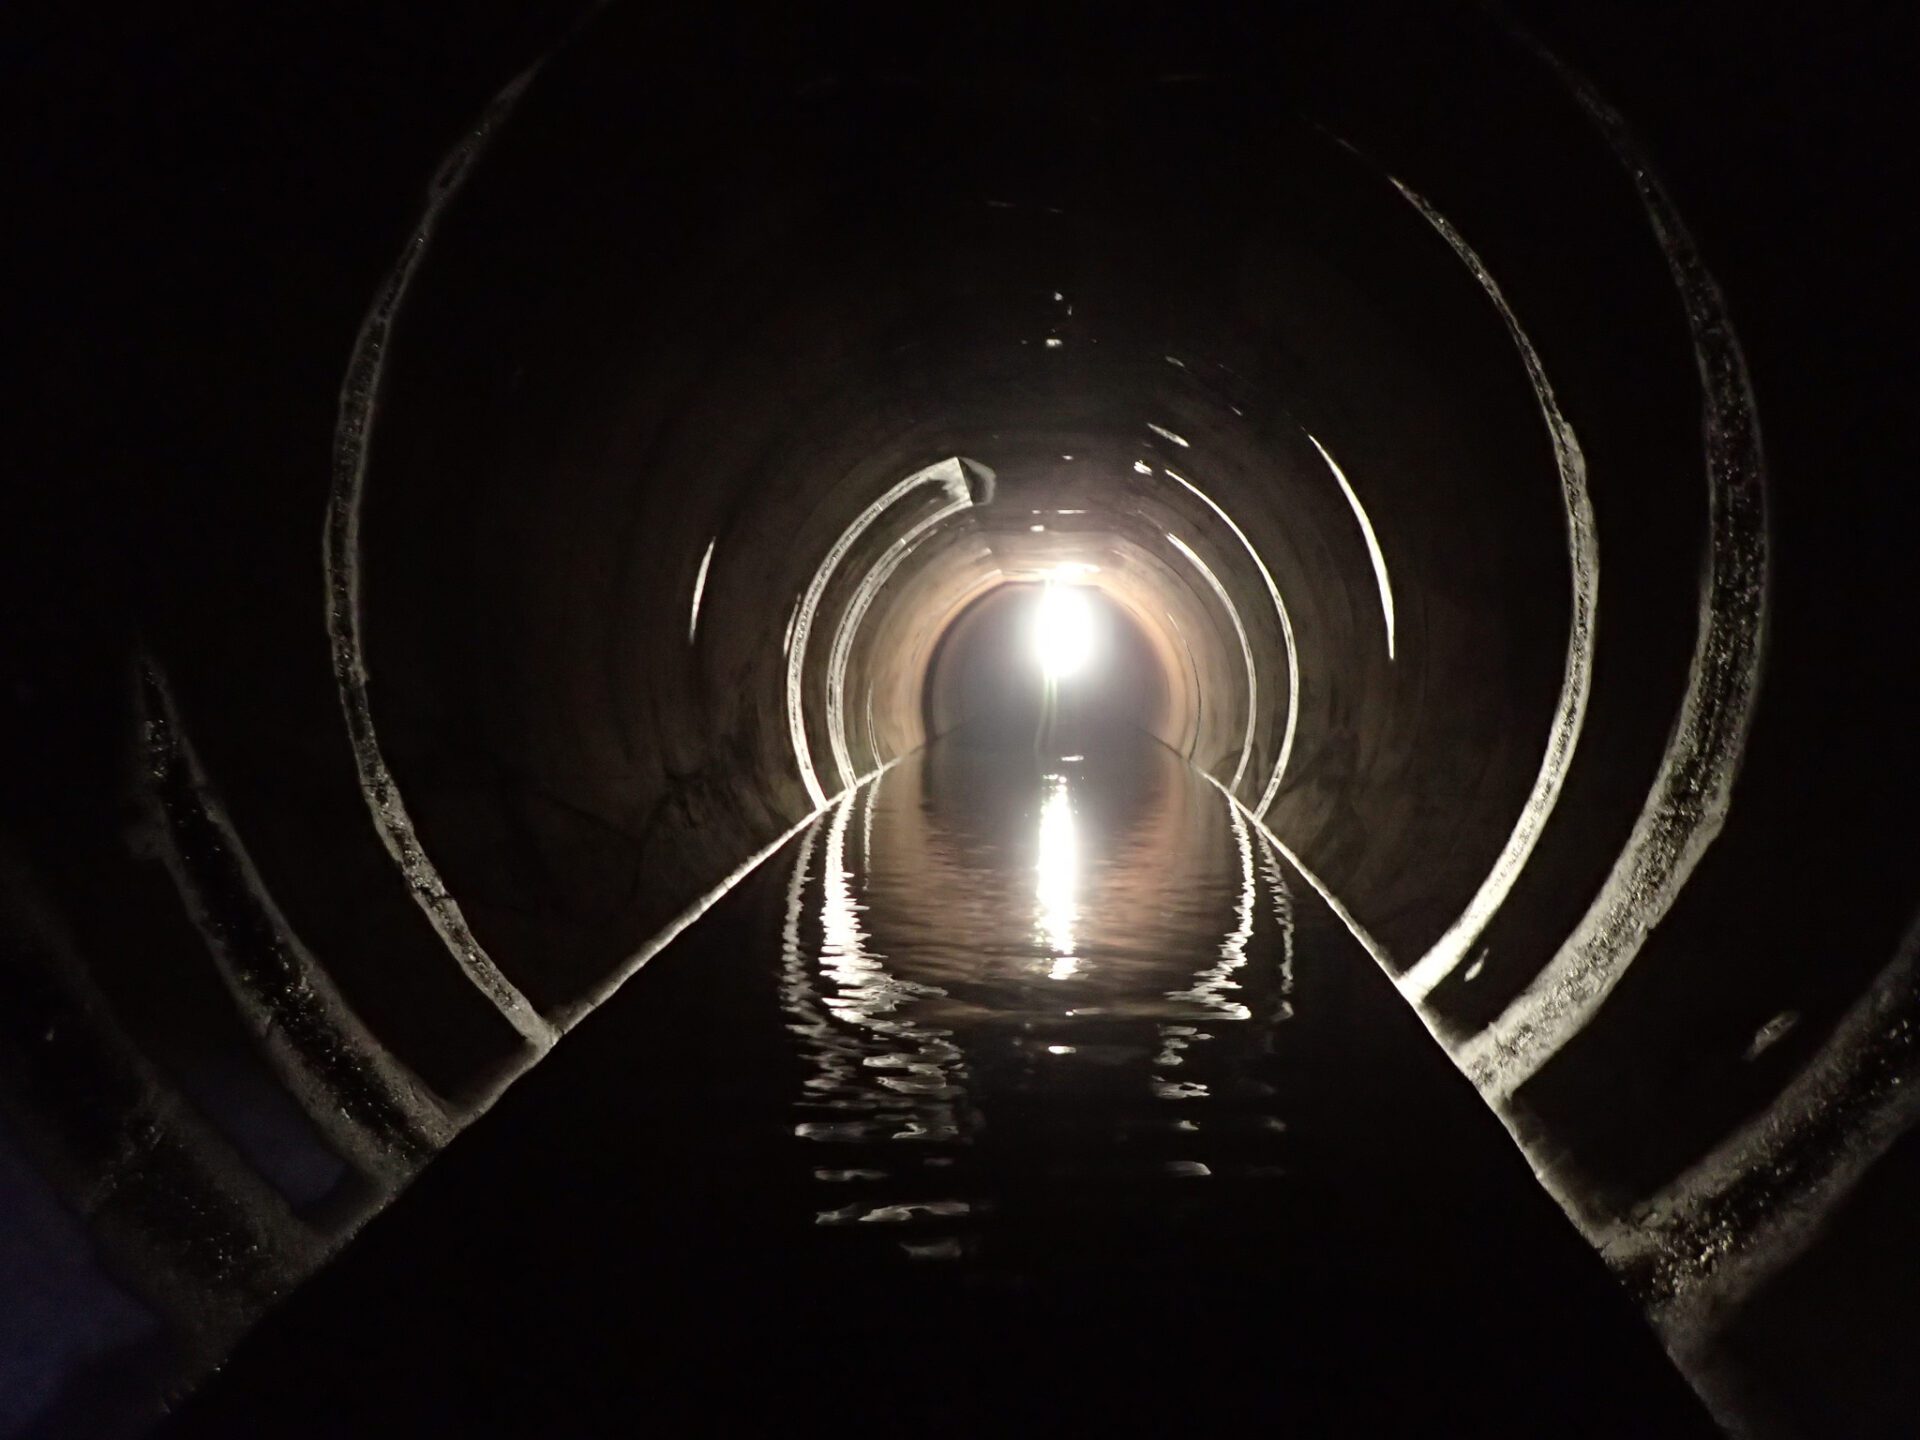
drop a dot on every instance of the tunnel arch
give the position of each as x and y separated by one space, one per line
1345 440
1328 544
1416 928
1425 933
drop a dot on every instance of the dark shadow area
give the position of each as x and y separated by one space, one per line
1019 1092
1010 1141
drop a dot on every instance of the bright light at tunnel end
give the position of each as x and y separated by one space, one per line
1063 629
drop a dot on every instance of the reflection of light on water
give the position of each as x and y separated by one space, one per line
845 940
878 1073
865 994
1211 986
873 794
1057 876
1178 1089
892 1214
1210 990
1283 913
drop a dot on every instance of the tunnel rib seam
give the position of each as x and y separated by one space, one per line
340 544
1286 634
1583 557
1693 789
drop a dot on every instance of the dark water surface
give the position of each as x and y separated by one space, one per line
1018 1094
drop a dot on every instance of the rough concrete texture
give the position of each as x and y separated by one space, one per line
480 453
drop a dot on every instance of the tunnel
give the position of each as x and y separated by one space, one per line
741 616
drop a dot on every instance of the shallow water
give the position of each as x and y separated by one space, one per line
1022 987
1016 1095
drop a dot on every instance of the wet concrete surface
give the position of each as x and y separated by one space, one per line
1017 1094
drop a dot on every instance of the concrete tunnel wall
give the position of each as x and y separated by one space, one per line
529 573
653 340
702 364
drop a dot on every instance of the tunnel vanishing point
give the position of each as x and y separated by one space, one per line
755 401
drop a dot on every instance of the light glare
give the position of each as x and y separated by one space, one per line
1057 876
1063 630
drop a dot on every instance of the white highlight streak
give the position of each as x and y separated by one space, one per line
946 472
1286 634
1246 653
866 824
699 586
1373 541
1056 887
340 541
1583 556
1209 988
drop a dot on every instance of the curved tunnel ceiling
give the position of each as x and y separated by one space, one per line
700 434
833 364
1298 426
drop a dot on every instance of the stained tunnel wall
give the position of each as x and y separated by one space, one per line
577 770
601 366
528 569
